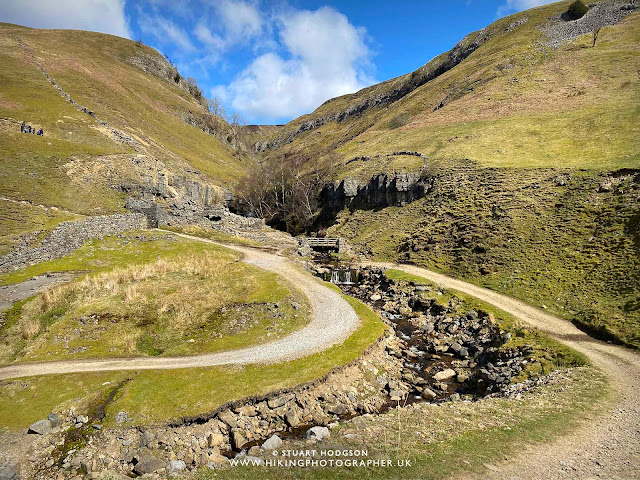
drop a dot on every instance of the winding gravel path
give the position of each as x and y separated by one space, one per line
333 320
608 447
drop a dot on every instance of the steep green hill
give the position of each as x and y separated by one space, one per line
507 95
132 116
532 180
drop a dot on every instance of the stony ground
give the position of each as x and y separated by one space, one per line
608 448
333 320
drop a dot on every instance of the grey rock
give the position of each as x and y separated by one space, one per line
9 470
177 466
292 418
121 417
82 419
280 401
317 433
272 443
149 464
146 438
229 418
54 419
41 427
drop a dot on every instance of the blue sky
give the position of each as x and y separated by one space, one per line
273 60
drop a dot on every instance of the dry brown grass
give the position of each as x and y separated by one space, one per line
30 328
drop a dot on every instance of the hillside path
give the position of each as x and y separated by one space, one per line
607 447
333 320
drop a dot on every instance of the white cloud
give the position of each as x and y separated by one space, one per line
105 16
326 55
512 6
241 19
165 31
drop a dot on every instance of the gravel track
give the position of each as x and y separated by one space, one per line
609 446
333 320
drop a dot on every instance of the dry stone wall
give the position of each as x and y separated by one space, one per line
69 236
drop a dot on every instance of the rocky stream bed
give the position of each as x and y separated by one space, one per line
431 353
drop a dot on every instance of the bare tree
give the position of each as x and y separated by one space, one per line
215 107
596 32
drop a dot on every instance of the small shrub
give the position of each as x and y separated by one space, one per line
399 121
576 10
30 328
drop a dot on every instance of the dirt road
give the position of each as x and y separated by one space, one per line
333 320
608 448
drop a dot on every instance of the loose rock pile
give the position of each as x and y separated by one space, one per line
445 354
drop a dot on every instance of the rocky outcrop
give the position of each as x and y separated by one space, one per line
565 28
408 84
160 67
383 190
69 236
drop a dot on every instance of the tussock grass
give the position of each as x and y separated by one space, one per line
170 301
151 397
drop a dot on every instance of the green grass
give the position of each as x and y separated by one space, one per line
160 307
159 396
547 354
76 166
453 439
512 103
129 248
573 248
18 219
214 235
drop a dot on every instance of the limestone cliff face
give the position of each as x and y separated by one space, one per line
382 190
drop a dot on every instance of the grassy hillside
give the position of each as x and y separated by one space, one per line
533 147
80 165
515 101
572 248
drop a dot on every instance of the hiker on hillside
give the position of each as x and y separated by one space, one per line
28 129
41 132
22 127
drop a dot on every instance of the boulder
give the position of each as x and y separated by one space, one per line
272 443
146 438
229 418
217 461
338 409
292 418
280 401
445 374
317 433
247 411
82 419
215 439
149 464
121 417
237 439
9 471
54 419
177 466
428 394
41 427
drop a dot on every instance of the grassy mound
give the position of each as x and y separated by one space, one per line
151 397
181 306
